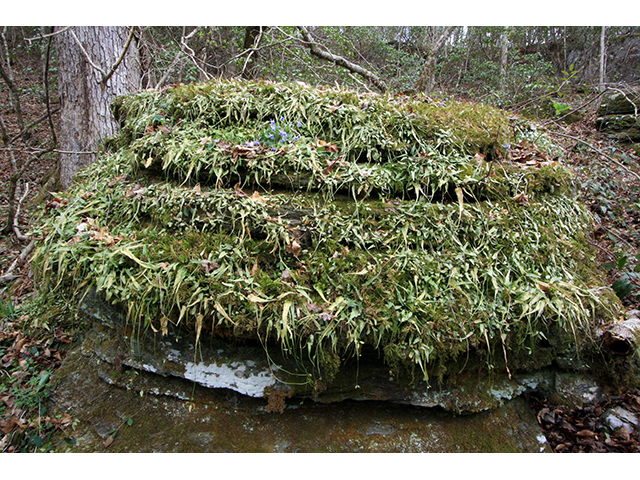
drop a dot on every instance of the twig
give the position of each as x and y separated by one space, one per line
600 152
34 123
8 276
320 51
635 107
86 54
52 34
105 75
45 80
255 49
13 184
575 109
192 55
616 235
251 51
117 64
177 57
8 78
19 236
42 151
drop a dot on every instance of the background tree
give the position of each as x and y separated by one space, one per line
95 64
433 41
603 56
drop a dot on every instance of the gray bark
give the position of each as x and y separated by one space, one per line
603 55
427 80
504 54
88 83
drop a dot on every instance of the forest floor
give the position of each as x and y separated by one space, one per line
31 350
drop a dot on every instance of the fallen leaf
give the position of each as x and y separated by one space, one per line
313 307
294 248
109 441
205 141
621 435
8 425
258 198
238 191
330 147
331 165
522 198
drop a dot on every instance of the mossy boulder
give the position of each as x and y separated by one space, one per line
328 226
617 115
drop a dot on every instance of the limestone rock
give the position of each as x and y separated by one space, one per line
618 114
617 418
255 372
169 414
616 102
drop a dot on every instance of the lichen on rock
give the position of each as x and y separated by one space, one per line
329 224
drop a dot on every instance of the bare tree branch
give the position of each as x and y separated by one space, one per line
181 52
608 157
321 52
250 45
115 65
8 276
192 55
426 80
52 34
86 55
16 230
105 75
34 123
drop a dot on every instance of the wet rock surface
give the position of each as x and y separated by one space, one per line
124 406
128 410
260 373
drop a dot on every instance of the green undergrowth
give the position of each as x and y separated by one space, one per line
366 222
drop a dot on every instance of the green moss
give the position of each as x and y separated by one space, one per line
423 251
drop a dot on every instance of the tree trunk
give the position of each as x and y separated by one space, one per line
504 55
427 80
87 84
603 55
7 76
250 36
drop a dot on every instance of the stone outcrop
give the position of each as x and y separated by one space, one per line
618 114
251 371
168 414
